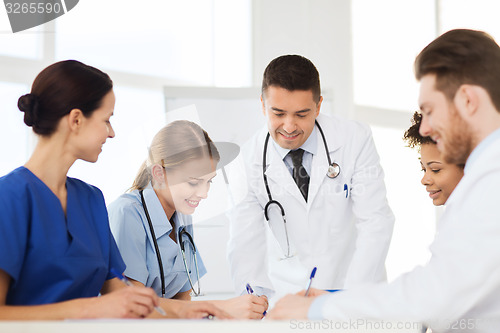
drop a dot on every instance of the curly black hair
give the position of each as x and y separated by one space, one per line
412 135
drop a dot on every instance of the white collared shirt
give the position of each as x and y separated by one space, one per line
309 147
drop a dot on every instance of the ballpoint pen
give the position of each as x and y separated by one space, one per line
250 292
124 279
313 273
249 289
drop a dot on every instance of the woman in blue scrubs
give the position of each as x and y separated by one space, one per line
56 249
169 186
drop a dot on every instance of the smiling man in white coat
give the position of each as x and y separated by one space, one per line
459 289
323 173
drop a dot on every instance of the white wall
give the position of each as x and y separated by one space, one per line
320 30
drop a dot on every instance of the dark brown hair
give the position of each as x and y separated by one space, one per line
292 72
459 57
60 88
412 135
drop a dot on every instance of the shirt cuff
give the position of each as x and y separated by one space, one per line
315 312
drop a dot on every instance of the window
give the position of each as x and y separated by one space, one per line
143 46
483 15
25 44
387 35
197 42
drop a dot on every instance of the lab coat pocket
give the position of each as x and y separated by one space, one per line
336 205
334 193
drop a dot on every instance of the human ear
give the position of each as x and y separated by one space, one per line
318 106
263 104
157 174
467 99
75 119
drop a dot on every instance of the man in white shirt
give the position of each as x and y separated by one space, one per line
337 218
459 289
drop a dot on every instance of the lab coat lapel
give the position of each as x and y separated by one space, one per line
279 176
320 161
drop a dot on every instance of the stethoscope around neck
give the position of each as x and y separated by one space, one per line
332 172
183 232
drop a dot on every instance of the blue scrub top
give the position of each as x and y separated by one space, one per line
131 230
49 256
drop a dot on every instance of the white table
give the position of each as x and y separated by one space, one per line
192 326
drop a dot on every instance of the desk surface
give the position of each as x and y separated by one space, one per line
191 326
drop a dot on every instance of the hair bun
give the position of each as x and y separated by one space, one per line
29 105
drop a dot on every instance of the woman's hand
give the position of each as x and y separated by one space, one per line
127 302
196 310
245 306
119 301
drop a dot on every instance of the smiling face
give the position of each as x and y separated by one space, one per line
443 123
95 130
187 185
290 115
440 178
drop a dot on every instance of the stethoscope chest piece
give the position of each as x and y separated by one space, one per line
333 170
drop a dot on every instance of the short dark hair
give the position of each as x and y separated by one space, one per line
292 72
412 135
459 57
60 88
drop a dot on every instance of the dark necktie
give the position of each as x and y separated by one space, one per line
299 172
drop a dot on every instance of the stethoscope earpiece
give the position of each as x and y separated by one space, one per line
333 170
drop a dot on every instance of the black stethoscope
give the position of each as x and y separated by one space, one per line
182 232
332 172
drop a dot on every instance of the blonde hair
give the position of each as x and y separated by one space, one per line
176 143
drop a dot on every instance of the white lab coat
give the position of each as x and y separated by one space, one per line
346 238
459 289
